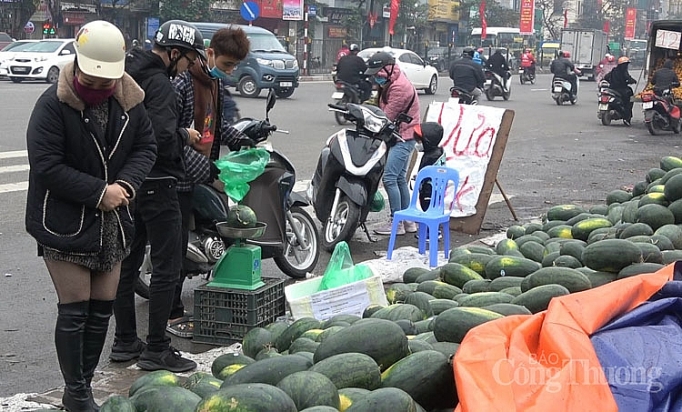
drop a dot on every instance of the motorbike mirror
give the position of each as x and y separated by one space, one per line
270 102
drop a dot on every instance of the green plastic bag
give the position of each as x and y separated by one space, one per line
341 270
240 167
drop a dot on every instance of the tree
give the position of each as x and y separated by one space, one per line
188 10
411 23
592 16
354 23
495 14
26 10
552 17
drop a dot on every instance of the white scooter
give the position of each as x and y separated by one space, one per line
495 85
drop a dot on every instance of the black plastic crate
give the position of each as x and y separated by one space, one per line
224 316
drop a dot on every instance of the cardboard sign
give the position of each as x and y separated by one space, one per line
668 39
473 141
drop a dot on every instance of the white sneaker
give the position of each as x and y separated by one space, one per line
387 228
410 227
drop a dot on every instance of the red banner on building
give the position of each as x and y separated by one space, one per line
484 23
607 27
630 20
395 9
527 17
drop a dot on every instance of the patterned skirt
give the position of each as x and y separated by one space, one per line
110 254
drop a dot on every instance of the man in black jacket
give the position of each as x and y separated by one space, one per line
665 77
620 80
563 68
468 75
351 69
157 211
498 64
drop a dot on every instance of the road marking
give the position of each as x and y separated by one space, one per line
15 168
10 155
538 90
13 187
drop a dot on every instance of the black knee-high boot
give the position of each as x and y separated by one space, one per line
95 335
68 339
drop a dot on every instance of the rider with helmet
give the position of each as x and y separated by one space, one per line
177 46
620 80
665 77
351 69
606 64
396 95
498 64
528 62
468 75
563 68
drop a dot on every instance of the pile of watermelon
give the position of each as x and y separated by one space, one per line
346 363
399 357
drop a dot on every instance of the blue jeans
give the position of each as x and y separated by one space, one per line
395 180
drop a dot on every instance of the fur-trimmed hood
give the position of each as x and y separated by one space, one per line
127 93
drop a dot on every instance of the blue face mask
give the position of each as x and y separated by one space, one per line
216 73
380 80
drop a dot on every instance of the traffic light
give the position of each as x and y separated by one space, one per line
48 28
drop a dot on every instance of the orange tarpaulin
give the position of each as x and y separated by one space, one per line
546 362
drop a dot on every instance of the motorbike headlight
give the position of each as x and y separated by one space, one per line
264 62
373 124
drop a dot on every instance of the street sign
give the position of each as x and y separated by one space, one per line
312 11
249 10
29 28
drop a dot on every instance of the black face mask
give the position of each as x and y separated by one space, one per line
172 69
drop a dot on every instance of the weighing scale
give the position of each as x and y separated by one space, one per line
240 266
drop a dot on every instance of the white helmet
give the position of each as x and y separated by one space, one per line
100 50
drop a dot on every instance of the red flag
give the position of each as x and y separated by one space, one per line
565 18
484 24
607 27
395 8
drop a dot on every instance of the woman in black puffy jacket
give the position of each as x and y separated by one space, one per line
90 145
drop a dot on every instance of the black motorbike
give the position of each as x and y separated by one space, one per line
349 170
561 91
526 75
463 96
611 104
291 237
345 93
661 112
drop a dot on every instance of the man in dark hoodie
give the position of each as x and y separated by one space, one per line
177 46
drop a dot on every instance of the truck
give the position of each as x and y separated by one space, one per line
587 48
665 42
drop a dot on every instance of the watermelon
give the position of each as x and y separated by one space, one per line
165 399
309 389
350 370
117 403
248 397
241 216
156 378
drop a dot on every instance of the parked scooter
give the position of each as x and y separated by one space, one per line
495 85
462 96
611 104
349 170
526 76
291 237
661 112
561 91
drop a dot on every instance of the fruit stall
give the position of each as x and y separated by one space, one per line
664 43
401 356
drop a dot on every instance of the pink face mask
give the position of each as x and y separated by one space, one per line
90 96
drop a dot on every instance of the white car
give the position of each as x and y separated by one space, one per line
42 60
420 73
8 52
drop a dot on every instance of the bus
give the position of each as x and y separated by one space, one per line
507 37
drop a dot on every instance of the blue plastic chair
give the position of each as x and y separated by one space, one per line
432 218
